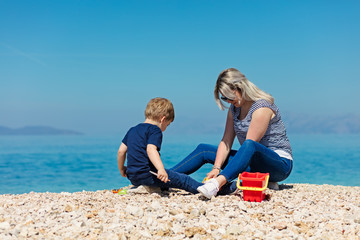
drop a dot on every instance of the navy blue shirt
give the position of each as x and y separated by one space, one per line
136 140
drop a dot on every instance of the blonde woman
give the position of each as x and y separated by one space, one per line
256 122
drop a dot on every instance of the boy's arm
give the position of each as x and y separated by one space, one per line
121 156
154 157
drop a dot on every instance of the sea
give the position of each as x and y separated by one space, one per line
75 163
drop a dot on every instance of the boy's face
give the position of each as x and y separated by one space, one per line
164 124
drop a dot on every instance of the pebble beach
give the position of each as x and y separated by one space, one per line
296 211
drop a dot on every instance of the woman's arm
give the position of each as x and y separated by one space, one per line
121 156
259 123
154 157
224 146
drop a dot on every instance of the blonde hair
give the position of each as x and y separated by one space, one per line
232 79
158 108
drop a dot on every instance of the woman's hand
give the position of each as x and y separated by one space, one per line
213 173
162 175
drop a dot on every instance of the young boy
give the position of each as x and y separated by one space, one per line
141 146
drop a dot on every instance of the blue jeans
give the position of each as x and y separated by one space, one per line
177 180
252 156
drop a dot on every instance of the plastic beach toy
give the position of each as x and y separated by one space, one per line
205 179
115 190
121 191
253 185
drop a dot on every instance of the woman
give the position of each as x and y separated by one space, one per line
255 120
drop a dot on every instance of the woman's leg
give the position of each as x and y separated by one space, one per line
204 153
254 155
279 168
260 159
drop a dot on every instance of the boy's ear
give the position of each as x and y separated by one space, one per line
162 119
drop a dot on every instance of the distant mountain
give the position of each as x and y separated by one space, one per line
336 124
36 130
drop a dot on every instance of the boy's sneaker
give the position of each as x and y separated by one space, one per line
273 185
142 189
236 192
136 189
151 189
209 189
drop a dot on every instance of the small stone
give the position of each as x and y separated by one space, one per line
135 211
149 221
194 213
190 232
221 231
177 229
280 225
68 208
156 205
173 212
202 211
180 217
233 230
145 234
5 225
79 224
24 232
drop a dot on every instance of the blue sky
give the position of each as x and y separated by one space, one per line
92 66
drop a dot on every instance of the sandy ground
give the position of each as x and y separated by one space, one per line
296 211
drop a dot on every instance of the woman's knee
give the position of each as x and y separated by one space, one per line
248 143
205 147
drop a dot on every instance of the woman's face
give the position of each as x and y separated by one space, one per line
237 101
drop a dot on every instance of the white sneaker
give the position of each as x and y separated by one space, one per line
209 189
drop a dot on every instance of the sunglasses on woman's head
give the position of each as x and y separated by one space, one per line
226 99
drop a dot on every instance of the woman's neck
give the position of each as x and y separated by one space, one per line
245 108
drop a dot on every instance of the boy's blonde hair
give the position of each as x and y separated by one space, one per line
158 108
232 79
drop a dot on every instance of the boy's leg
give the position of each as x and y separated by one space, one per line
177 180
182 181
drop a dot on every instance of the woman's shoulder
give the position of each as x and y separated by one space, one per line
261 103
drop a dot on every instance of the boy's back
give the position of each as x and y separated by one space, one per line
136 140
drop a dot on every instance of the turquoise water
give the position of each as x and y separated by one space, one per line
76 163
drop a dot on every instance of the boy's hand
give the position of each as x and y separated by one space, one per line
162 175
123 171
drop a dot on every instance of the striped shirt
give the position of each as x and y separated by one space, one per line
275 137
